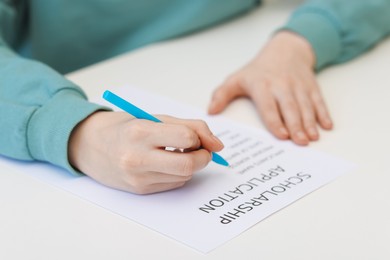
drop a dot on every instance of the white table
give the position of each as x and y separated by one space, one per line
347 219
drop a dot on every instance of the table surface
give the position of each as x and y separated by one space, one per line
346 219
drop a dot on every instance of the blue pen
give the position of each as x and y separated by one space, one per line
140 114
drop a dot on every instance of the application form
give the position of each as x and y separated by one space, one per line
219 203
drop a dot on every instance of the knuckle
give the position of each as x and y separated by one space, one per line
130 161
137 130
188 136
201 124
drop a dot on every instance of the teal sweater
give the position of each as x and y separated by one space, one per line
40 40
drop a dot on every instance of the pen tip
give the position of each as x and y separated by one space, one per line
106 93
218 159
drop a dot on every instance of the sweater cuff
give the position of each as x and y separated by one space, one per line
50 126
319 29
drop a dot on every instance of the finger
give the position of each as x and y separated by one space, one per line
268 109
154 188
174 135
224 94
291 115
308 114
180 164
149 178
208 140
321 109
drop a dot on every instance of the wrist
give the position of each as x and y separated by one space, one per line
294 43
79 139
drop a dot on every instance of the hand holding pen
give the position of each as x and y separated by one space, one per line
128 154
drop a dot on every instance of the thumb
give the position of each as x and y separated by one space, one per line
224 95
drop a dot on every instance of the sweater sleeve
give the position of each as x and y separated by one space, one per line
340 30
38 109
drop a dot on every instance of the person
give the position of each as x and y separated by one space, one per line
47 118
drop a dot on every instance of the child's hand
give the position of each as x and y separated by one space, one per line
282 84
128 154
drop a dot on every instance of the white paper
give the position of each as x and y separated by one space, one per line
219 203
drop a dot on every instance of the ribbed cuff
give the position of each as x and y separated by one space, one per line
50 126
322 33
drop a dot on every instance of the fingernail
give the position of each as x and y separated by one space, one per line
283 131
329 123
301 136
313 132
216 139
